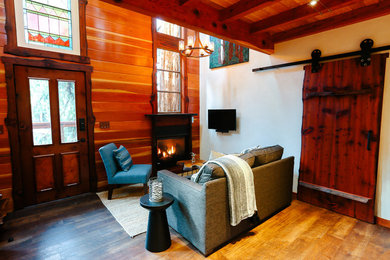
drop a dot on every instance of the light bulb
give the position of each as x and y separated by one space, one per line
313 2
181 45
190 41
212 46
206 44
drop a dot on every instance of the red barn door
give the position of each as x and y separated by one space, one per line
340 136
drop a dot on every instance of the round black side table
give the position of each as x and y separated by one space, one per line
158 237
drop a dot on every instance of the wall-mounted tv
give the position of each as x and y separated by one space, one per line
222 120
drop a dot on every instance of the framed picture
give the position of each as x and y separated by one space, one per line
227 53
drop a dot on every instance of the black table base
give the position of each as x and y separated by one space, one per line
158 237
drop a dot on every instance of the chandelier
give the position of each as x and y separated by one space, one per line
195 48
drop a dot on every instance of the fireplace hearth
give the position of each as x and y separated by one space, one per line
171 139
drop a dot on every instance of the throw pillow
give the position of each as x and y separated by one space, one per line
215 155
267 154
247 150
213 171
123 158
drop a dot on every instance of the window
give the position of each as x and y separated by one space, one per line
170 82
48 24
40 111
168 28
47 28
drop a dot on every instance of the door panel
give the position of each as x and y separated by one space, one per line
49 105
71 168
43 171
341 114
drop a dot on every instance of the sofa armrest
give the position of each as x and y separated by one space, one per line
187 215
273 186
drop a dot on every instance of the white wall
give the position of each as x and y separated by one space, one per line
269 104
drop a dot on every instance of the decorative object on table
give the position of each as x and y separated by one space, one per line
193 157
135 173
155 190
195 48
190 166
227 53
158 237
125 208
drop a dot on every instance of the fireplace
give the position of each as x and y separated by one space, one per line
171 140
170 150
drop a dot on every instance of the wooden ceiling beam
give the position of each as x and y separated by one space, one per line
355 16
184 2
200 17
242 8
301 12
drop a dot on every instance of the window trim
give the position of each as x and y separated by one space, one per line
12 46
169 43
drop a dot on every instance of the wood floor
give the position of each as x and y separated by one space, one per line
83 228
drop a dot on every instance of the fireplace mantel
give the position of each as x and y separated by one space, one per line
171 115
172 125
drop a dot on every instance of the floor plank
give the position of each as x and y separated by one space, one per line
82 228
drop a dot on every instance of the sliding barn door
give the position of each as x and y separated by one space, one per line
340 136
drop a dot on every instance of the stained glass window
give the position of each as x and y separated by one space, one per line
48 23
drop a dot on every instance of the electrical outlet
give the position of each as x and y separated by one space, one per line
104 125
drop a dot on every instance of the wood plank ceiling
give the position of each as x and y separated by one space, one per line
258 24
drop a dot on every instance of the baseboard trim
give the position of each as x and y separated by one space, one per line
383 222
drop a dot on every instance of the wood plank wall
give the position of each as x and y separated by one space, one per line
5 156
120 48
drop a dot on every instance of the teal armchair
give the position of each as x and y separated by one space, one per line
138 173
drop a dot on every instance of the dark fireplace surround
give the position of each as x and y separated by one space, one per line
171 139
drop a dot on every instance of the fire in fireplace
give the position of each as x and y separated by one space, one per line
170 149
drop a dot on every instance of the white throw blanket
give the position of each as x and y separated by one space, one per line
241 188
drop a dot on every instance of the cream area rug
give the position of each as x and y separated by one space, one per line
125 208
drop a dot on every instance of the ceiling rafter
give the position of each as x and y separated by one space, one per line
242 8
185 2
301 12
355 16
200 17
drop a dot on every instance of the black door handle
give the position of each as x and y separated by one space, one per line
369 137
82 124
82 140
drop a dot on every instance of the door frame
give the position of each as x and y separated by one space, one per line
11 121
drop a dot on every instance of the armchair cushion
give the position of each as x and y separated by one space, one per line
123 158
138 173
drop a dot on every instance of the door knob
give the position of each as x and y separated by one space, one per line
82 140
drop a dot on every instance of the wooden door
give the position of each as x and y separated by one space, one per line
340 136
51 108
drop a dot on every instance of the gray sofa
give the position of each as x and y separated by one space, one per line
200 213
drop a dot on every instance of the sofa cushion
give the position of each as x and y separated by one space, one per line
213 171
123 158
249 158
267 154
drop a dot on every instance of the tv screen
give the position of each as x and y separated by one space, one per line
222 120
